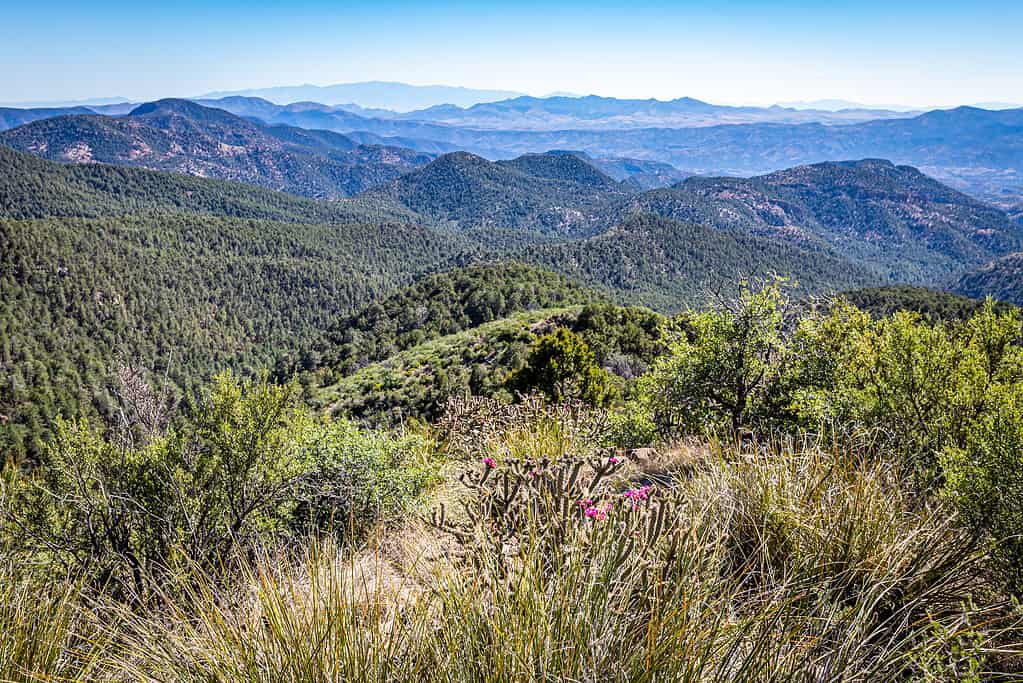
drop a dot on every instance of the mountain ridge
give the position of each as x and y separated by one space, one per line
183 136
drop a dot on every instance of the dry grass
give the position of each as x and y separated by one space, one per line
802 566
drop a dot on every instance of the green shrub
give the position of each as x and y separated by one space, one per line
356 478
984 479
245 465
562 367
726 368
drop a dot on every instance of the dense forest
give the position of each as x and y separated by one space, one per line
104 267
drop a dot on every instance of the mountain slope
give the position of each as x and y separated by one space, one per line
443 304
171 279
1002 279
933 304
415 381
559 194
31 187
894 218
670 265
185 137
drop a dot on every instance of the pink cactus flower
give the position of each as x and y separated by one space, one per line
636 495
614 460
489 462
597 513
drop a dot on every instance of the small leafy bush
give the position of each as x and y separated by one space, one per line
356 478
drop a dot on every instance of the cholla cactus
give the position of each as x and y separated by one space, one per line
532 428
554 507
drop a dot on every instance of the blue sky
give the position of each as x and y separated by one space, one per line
911 52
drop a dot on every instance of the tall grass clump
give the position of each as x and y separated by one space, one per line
778 564
46 633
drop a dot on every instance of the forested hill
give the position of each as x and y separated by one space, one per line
551 193
1002 279
668 264
933 305
34 188
906 224
102 267
444 304
185 137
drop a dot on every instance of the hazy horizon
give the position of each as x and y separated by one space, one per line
916 55
821 103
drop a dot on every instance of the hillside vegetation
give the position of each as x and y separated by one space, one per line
909 227
1002 279
555 193
444 304
184 277
185 137
822 495
668 264
932 304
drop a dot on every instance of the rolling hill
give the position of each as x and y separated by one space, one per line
185 137
910 227
1002 279
547 193
104 267
443 304
670 265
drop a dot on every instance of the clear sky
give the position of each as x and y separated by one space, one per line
912 52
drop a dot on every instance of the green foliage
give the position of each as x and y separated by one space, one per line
726 368
999 279
243 465
417 381
443 304
984 478
562 367
932 304
185 294
356 478
669 265
941 400
123 513
920 386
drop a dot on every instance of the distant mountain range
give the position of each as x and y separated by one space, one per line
906 225
890 220
372 94
976 150
607 113
182 136
838 105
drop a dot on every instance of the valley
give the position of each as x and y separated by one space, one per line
382 381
